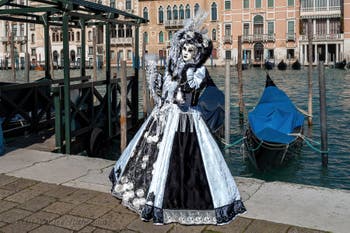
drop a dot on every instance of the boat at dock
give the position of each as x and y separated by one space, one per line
282 65
274 130
296 65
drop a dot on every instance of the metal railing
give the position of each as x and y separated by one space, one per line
326 37
122 40
174 23
258 38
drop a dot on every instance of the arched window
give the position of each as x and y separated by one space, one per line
258 25
170 35
196 9
213 34
168 13
188 12
145 37
160 15
181 12
121 30
90 36
57 36
128 31
214 12
78 36
175 13
127 4
161 37
53 37
145 13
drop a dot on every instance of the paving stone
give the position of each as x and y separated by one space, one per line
5 193
90 210
148 227
13 215
61 191
6 205
41 217
87 229
19 184
4 179
19 227
3 224
105 199
114 221
127 231
59 207
51 229
71 222
237 225
102 231
178 228
263 226
294 229
37 203
80 196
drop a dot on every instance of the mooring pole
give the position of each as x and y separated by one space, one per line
12 51
240 82
227 101
323 115
310 61
123 110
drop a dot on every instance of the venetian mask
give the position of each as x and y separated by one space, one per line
188 52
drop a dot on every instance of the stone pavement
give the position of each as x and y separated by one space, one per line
32 206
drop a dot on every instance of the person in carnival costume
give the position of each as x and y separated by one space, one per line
173 170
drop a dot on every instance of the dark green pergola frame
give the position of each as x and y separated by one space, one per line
75 14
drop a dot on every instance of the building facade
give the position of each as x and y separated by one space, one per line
270 30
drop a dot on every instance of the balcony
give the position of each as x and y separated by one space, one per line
176 23
290 36
122 41
18 39
323 38
320 12
258 38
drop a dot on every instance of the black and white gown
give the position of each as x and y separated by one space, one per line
173 169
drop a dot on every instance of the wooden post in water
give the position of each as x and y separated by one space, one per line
240 81
310 61
323 114
227 101
123 107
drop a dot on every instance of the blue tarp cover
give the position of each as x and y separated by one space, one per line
275 117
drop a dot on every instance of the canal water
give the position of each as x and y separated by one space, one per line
305 168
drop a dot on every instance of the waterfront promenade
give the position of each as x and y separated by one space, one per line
47 192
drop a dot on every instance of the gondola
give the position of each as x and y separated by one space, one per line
269 65
340 65
296 65
274 129
282 65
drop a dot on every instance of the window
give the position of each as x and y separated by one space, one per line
196 9
270 54
89 35
112 3
258 25
181 12
270 28
213 34
129 54
214 13
257 3
290 53
168 13
170 36
128 32
145 37
290 2
245 4
78 36
145 13
127 4
120 30
175 13
227 4
91 50
161 37
228 54
188 12
33 38
246 29
113 31
161 15
270 3
78 51
227 29
290 27
33 53
32 26
21 29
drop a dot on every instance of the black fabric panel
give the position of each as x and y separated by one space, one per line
226 213
187 186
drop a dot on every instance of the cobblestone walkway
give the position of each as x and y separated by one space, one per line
37 207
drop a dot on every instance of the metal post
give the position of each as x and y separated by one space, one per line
27 57
123 108
310 61
83 45
12 51
47 46
135 83
94 51
67 113
227 101
323 115
240 82
108 80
